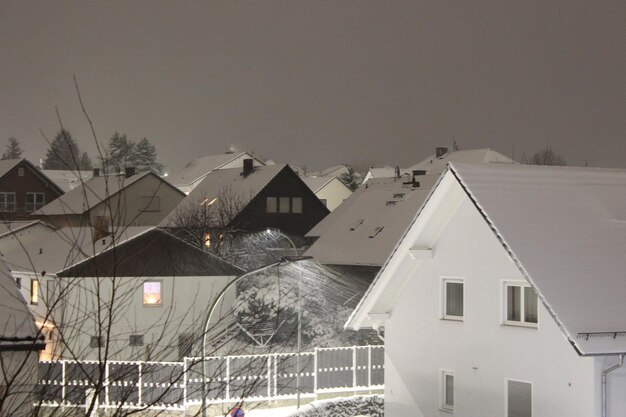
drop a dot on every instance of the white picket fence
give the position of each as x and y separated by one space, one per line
178 385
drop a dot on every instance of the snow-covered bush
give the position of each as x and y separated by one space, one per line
364 405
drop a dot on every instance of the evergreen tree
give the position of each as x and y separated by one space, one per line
85 162
63 152
351 179
120 152
14 151
143 157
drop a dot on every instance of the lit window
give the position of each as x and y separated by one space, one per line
151 203
296 205
284 205
447 390
34 291
453 299
520 304
152 293
7 202
271 205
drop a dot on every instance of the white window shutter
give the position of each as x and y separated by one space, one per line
519 399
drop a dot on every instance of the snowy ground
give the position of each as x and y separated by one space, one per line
361 405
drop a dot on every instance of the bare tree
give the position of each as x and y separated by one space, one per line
545 156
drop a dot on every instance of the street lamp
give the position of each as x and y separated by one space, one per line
285 259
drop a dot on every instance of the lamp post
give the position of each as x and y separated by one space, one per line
288 259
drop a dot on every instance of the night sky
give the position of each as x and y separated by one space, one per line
317 83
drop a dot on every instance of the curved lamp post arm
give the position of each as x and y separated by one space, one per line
217 300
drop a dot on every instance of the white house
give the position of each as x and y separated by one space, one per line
20 342
330 190
506 296
140 292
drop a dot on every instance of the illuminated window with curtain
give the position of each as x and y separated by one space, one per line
152 293
34 291
453 302
520 307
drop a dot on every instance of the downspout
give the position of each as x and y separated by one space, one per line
604 374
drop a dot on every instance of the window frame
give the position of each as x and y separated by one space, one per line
35 205
522 322
444 298
271 205
135 340
143 293
4 202
443 390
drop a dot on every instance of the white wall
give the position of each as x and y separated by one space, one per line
616 386
334 193
481 350
185 301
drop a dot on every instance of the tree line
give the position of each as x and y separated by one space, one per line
64 154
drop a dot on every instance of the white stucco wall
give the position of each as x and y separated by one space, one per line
334 193
480 350
616 386
185 301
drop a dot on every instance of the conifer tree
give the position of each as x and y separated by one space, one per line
14 151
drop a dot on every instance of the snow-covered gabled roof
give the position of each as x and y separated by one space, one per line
241 189
365 227
91 193
11 227
317 184
67 179
203 165
7 165
17 325
434 165
565 229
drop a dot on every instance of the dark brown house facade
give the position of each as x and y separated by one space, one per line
23 189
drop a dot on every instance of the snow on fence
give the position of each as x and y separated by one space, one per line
176 385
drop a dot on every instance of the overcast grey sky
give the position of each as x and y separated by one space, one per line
318 83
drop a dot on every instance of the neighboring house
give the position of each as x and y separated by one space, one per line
67 179
154 287
505 296
22 227
23 189
20 342
114 200
187 177
364 229
252 199
331 191
334 171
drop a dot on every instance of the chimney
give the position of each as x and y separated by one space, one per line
248 167
130 171
440 151
417 173
96 172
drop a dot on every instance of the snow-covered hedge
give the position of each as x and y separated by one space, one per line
362 405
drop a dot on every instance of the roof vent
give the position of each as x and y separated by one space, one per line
96 172
440 152
377 230
390 202
130 171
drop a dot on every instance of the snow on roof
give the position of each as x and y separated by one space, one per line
55 250
433 165
9 227
83 198
201 166
228 180
17 326
316 184
67 179
334 171
565 229
365 227
7 164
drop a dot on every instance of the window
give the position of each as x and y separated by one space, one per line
453 299
296 204
18 281
34 291
271 205
151 203
152 293
518 399
283 205
447 390
520 304
50 292
34 201
185 345
7 202
20 171
135 340
96 341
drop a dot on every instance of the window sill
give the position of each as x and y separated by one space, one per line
520 324
453 318
447 410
